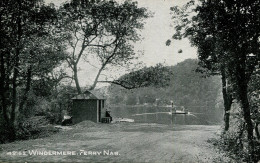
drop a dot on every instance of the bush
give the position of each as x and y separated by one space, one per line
234 143
34 127
3 132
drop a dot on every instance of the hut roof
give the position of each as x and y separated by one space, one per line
89 95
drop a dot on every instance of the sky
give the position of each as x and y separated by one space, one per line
184 45
156 32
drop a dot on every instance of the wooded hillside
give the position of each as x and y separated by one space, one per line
187 88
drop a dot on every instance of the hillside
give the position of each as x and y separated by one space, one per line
187 88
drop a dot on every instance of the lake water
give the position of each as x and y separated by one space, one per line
154 114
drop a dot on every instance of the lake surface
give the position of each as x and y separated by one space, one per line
161 115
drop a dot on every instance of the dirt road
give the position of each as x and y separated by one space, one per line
124 142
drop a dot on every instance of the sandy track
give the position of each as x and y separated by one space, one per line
133 142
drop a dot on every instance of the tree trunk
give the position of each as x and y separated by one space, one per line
14 96
16 72
249 127
227 99
240 135
75 71
27 89
11 131
242 94
257 131
3 90
96 79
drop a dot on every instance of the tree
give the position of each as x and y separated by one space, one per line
104 29
254 91
22 24
235 53
210 62
39 60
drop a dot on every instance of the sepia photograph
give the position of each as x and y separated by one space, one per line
171 81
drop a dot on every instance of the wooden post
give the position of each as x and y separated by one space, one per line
172 113
97 111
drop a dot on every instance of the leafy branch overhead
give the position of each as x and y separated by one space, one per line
156 76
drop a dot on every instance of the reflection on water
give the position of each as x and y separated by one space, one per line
153 114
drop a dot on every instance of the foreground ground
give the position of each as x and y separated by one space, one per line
121 142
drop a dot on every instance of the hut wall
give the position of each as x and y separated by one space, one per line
84 110
103 109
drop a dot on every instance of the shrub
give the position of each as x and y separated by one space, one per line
34 127
235 143
3 132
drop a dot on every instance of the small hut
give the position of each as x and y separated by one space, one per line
88 106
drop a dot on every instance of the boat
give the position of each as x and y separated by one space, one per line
124 120
179 112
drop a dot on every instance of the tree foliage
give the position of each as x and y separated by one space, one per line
226 34
25 39
156 76
104 30
38 41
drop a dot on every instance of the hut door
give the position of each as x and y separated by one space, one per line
99 110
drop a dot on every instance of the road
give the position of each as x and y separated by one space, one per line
122 142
